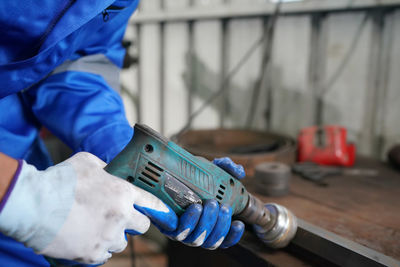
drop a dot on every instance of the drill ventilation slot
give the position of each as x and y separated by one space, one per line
151 173
146 182
221 192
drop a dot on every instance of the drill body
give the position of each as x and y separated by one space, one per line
169 172
180 179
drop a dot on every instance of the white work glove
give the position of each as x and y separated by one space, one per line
77 211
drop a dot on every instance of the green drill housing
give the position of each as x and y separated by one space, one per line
166 170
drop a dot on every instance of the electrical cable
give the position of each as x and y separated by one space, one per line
342 65
251 50
226 79
339 70
265 65
131 251
134 99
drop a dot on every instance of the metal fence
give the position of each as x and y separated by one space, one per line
331 62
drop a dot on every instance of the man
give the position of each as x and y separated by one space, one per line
59 65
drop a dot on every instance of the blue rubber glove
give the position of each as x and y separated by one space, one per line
208 226
236 170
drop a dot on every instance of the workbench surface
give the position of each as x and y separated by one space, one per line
363 209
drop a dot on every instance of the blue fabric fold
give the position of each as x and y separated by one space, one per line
79 107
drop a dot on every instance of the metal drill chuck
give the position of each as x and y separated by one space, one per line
273 224
281 229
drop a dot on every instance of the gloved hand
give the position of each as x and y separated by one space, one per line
236 170
209 225
77 211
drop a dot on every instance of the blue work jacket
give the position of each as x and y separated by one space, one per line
59 67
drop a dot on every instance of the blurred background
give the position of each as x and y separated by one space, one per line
319 62
276 67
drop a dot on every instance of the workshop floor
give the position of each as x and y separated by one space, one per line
147 254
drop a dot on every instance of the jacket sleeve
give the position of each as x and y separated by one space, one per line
79 101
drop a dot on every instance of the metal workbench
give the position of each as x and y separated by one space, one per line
354 221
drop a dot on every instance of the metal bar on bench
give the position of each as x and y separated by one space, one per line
320 247
337 249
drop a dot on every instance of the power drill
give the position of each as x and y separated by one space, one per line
161 167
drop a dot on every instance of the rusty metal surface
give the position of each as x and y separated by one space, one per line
181 255
362 209
314 246
245 147
338 250
394 156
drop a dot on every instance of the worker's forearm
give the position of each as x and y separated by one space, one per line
8 167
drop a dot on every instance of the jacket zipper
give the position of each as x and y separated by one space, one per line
105 13
54 22
106 16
